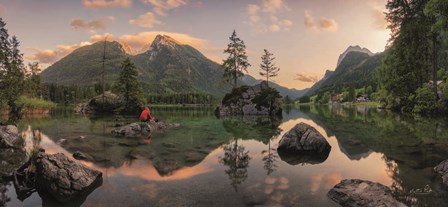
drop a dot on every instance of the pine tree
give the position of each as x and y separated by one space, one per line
267 67
129 87
236 63
11 72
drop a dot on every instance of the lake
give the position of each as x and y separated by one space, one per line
233 161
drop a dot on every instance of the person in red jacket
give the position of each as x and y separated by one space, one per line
146 116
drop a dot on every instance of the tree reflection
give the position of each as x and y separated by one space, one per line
269 159
236 158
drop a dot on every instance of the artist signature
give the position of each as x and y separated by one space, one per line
418 191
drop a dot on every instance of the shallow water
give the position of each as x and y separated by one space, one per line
233 161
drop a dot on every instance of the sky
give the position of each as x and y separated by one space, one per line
305 36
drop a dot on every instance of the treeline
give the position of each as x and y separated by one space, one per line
185 98
410 75
71 94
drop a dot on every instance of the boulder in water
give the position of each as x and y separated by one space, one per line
135 129
9 136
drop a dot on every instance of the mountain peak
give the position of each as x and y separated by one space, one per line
164 40
355 48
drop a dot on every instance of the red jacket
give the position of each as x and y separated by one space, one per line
146 115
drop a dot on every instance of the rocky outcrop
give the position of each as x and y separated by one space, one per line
303 144
64 179
110 104
442 169
251 100
134 129
9 136
356 192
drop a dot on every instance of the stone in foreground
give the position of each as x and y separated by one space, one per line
355 192
442 169
64 179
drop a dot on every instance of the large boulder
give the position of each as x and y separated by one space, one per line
251 100
303 144
142 128
358 193
107 103
9 136
64 179
442 169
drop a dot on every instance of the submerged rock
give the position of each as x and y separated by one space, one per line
64 179
295 158
143 128
251 100
303 138
79 155
356 192
9 136
442 169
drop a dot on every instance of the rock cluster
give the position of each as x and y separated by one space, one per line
134 129
356 192
9 136
110 104
12 155
249 100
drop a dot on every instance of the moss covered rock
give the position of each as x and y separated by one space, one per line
251 100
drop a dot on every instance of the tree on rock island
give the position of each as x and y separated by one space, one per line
129 87
267 67
236 63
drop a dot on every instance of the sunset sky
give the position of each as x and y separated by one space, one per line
306 37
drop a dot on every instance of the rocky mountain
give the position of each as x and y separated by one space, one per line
356 48
319 83
357 68
167 66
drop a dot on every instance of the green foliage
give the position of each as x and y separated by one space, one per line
305 99
266 98
236 63
267 67
234 96
325 98
287 100
11 72
32 86
34 103
425 101
186 98
128 86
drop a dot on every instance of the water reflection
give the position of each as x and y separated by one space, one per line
236 158
193 165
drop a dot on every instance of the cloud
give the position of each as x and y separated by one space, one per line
161 7
147 20
92 25
92 4
265 17
306 78
328 24
324 23
274 6
51 56
309 21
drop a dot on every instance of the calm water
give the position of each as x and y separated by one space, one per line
233 161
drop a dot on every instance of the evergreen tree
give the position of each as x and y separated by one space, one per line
32 81
267 66
128 86
11 71
236 63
